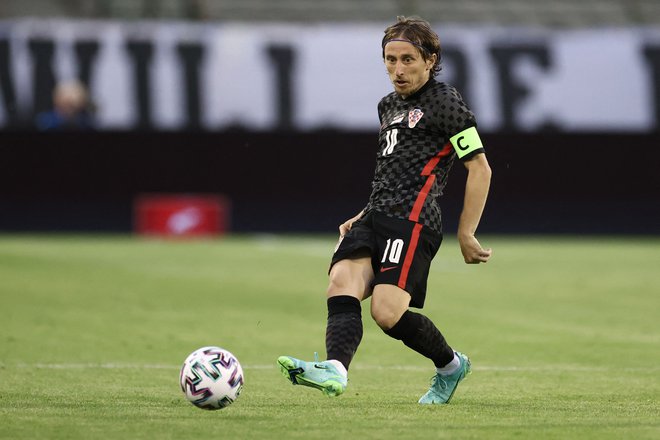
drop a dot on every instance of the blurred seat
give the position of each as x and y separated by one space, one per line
556 13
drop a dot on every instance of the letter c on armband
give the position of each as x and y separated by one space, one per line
466 142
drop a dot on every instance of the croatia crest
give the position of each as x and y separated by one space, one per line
414 116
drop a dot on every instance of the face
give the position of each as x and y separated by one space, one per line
69 99
406 67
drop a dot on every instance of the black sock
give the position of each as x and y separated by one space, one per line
344 329
419 333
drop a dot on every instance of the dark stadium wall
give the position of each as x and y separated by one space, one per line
310 182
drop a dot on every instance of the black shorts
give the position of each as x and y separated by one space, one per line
401 251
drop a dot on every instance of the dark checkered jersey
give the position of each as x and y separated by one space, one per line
415 154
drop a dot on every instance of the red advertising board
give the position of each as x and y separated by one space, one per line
181 214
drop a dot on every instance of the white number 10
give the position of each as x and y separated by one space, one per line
391 138
394 251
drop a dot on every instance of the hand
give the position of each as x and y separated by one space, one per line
345 227
348 224
472 251
343 230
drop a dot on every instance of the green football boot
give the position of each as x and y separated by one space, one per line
323 376
444 386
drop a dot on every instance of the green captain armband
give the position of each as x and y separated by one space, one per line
466 142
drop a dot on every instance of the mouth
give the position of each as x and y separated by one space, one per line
400 82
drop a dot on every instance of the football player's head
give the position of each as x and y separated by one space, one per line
419 33
411 53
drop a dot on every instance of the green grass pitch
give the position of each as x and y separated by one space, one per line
564 336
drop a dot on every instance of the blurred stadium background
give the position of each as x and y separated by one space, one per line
266 110
560 13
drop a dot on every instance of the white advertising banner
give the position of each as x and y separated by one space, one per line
172 75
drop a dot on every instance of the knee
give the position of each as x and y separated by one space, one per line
386 317
339 283
388 304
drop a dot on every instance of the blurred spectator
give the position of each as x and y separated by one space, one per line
72 109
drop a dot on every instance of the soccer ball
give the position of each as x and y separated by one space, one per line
211 378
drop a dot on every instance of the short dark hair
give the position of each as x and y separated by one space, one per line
418 31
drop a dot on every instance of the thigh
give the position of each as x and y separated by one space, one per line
352 276
351 269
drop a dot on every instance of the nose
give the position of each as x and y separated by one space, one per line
398 70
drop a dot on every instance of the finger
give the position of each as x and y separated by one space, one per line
485 252
475 258
480 257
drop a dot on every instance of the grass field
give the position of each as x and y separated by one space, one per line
564 335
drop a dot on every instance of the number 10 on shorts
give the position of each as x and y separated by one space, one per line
393 251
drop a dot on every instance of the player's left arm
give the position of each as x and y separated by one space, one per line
469 150
476 193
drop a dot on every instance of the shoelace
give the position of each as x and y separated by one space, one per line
438 380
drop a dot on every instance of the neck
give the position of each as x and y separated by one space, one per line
416 90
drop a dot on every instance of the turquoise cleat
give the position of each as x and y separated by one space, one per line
443 387
320 375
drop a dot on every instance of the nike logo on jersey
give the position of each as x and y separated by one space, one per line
385 269
397 120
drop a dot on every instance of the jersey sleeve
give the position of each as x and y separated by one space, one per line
460 125
380 112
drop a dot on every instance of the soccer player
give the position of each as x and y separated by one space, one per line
385 251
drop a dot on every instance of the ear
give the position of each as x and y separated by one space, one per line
430 61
